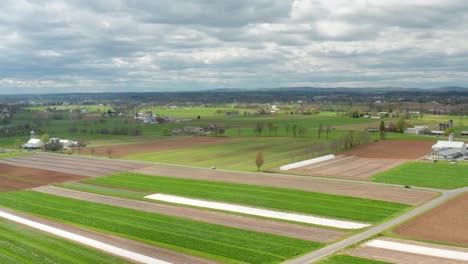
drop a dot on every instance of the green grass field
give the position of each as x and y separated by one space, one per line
225 244
335 206
433 175
235 155
193 112
23 245
89 108
345 259
14 154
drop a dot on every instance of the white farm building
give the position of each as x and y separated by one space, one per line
33 143
447 150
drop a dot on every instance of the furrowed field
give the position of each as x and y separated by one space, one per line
345 259
267 197
225 244
433 175
23 245
236 155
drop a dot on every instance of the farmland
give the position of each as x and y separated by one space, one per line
17 178
236 155
211 241
169 143
23 245
346 259
447 223
266 197
433 175
350 167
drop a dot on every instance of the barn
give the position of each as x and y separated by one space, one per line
447 150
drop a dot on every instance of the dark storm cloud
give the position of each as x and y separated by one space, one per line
122 45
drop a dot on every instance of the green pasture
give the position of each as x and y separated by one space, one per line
336 206
88 108
14 154
439 175
23 245
224 244
194 112
237 155
345 259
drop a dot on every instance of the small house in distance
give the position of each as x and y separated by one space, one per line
447 150
417 130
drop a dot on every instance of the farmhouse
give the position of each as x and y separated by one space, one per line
64 143
447 150
417 130
464 133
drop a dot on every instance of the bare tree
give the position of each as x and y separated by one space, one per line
259 160
294 128
270 127
109 152
328 129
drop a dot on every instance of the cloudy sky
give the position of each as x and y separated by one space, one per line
159 45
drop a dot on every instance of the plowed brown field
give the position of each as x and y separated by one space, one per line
447 223
18 178
155 146
392 149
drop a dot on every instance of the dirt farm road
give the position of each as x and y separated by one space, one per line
326 251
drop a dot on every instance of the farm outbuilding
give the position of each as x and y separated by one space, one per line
33 143
447 150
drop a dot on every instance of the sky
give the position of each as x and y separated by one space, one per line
185 45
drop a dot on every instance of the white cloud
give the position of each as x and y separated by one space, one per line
153 45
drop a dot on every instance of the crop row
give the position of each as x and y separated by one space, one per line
260 196
212 241
345 259
23 245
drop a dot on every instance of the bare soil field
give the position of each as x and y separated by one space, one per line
350 167
362 190
155 146
84 166
19 178
399 257
237 221
447 223
392 149
130 245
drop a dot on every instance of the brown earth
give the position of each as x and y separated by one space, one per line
19 178
399 257
447 223
84 166
392 149
212 217
94 167
349 167
362 190
154 146
124 243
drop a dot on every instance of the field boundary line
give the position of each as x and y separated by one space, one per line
84 240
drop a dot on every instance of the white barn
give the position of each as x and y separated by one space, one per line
33 143
447 150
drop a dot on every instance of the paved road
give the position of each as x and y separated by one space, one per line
326 251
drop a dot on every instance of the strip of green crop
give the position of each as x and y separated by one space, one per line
23 245
221 243
442 176
260 196
345 259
